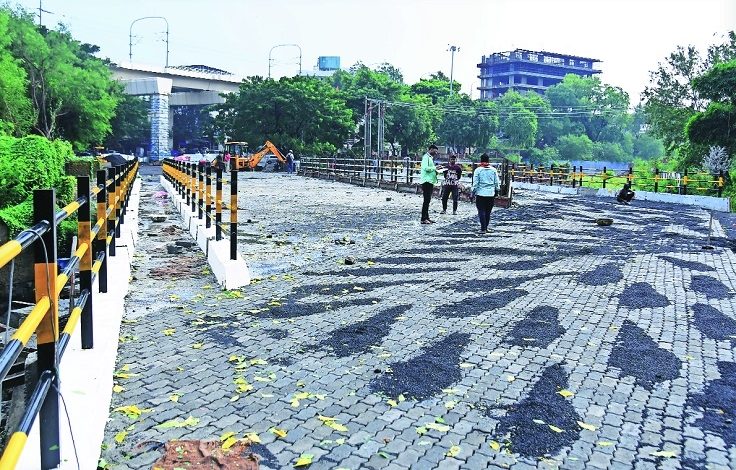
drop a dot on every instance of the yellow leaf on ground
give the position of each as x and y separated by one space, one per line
175 423
225 436
198 345
295 403
253 437
538 421
336 426
340 441
422 430
304 460
228 443
120 437
604 443
258 362
401 398
437 427
131 411
454 450
169 331
325 419
555 428
117 388
174 397
565 393
510 378
392 403
125 368
279 432
495 445
587 426
668 454
301 395
450 404
234 398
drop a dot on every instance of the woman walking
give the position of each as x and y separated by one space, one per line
429 179
485 187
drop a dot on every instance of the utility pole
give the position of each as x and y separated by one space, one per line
452 50
381 112
41 11
130 36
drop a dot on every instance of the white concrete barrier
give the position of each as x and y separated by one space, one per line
230 274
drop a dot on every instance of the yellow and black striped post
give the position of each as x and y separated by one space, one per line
47 333
233 210
188 180
85 263
111 174
193 184
118 197
200 191
100 243
218 203
208 196
125 168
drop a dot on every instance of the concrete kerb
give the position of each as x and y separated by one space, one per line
86 376
230 274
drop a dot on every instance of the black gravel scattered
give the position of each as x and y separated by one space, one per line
482 251
276 333
223 336
691 265
292 309
482 285
524 265
718 404
642 295
713 323
605 274
338 289
477 305
374 271
419 378
404 259
637 355
531 439
540 327
267 458
359 337
711 287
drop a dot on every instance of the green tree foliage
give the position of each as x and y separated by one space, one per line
716 126
130 126
72 93
16 113
302 113
518 117
575 147
671 99
466 123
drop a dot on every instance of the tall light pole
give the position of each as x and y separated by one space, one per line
284 45
452 50
130 36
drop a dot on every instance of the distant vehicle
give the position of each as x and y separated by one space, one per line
269 162
115 158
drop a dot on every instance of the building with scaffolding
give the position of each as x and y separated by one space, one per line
524 70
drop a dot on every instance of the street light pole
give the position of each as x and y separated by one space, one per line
284 45
130 36
452 50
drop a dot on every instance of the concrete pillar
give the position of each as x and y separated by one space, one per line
159 114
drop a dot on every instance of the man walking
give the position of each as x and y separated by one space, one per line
290 162
453 173
428 180
485 187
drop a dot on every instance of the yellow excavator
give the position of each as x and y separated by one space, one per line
237 151
268 148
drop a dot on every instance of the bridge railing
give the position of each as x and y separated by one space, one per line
193 182
111 194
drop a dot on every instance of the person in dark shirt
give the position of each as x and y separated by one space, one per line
453 173
626 194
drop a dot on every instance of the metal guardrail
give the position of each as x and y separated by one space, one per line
112 192
193 182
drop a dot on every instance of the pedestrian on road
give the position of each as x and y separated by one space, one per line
485 187
428 180
290 162
626 194
453 173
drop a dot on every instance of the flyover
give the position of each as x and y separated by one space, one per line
165 87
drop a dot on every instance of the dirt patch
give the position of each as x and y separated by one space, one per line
207 455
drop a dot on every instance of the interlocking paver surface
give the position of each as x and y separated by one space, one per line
551 343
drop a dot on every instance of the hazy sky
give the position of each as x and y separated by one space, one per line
629 36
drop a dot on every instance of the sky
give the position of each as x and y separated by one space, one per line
629 37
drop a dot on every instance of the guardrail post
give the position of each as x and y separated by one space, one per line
630 177
605 176
720 183
208 196
121 192
100 243
47 333
684 183
581 174
218 203
85 263
551 175
574 168
118 198
656 180
188 180
233 213
200 191
194 187
111 207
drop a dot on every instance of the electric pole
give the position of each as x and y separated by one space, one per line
452 50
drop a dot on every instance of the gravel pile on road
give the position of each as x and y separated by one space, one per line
608 273
713 323
642 295
690 265
477 305
711 287
637 355
357 338
538 329
717 403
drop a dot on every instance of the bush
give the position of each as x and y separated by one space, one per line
29 163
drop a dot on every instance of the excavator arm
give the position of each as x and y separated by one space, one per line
267 148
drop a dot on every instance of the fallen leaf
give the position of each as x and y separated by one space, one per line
197 345
301 395
120 437
538 421
401 398
392 403
495 445
304 460
565 393
437 427
604 443
175 423
234 398
169 331
421 430
587 426
340 441
279 432
668 454
258 362
454 451
253 437
450 404
510 378
174 397
131 411
228 443
555 428
117 388
225 436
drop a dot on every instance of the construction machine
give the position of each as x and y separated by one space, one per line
267 149
238 151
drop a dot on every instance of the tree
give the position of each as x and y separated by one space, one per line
15 108
716 126
130 127
671 100
466 123
302 113
519 124
716 160
574 147
393 72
